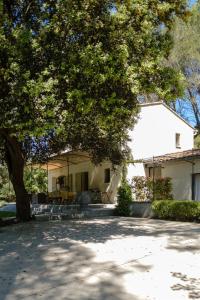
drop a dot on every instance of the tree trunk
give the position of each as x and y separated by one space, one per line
15 163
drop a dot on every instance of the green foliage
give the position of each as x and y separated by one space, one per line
6 189
161 188
197 141
141 188
35 182
2 203
185 58
146 189
124 199
7 214
77 68
177 210
71 72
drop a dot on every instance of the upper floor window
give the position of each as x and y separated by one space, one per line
107 175
177 140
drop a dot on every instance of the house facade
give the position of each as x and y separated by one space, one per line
159 130
73 172
184 170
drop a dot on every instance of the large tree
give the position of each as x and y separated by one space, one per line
185 57
71 72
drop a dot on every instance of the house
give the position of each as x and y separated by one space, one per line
160 143
183 168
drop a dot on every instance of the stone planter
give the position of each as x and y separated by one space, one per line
141 209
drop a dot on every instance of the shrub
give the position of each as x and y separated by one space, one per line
141 188
124 199
176 210
162 188
146 189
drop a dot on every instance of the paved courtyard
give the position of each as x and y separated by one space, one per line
108 258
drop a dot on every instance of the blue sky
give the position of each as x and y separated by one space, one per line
192 2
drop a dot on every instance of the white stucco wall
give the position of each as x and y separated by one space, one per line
154 134
95 176
181 175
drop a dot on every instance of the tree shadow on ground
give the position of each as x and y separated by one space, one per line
48 261
180 236
52 260
192 285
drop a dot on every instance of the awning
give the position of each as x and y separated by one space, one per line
64 160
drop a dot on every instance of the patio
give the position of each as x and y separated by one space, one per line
105 258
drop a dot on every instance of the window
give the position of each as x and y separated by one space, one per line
61 182
155 172
178 136
106 175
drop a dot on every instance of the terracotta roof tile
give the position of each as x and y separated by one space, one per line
182 155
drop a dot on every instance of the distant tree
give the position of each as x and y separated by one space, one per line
6 190
35 180
185 57
70 75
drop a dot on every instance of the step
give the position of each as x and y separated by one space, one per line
62 209
91 213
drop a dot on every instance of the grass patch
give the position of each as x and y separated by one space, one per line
7 214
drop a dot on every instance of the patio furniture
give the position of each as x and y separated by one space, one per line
61 197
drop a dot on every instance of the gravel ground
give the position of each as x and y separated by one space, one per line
107 258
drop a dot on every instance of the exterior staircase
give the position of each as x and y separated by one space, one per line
47 212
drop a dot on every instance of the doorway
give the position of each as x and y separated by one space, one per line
196 187
82 182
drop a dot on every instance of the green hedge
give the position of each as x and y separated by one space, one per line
124 199
176 210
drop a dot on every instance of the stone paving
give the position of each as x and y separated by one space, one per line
106 258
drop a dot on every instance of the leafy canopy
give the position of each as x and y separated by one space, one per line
71 71
185 57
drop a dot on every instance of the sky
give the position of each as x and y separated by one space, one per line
192 2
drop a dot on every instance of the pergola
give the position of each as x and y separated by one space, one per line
63 160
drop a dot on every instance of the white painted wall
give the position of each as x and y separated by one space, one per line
181 175
95 174
154 135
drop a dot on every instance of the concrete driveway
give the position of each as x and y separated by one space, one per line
110 258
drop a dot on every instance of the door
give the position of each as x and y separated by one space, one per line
54 184
197 187
78 182
81 182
